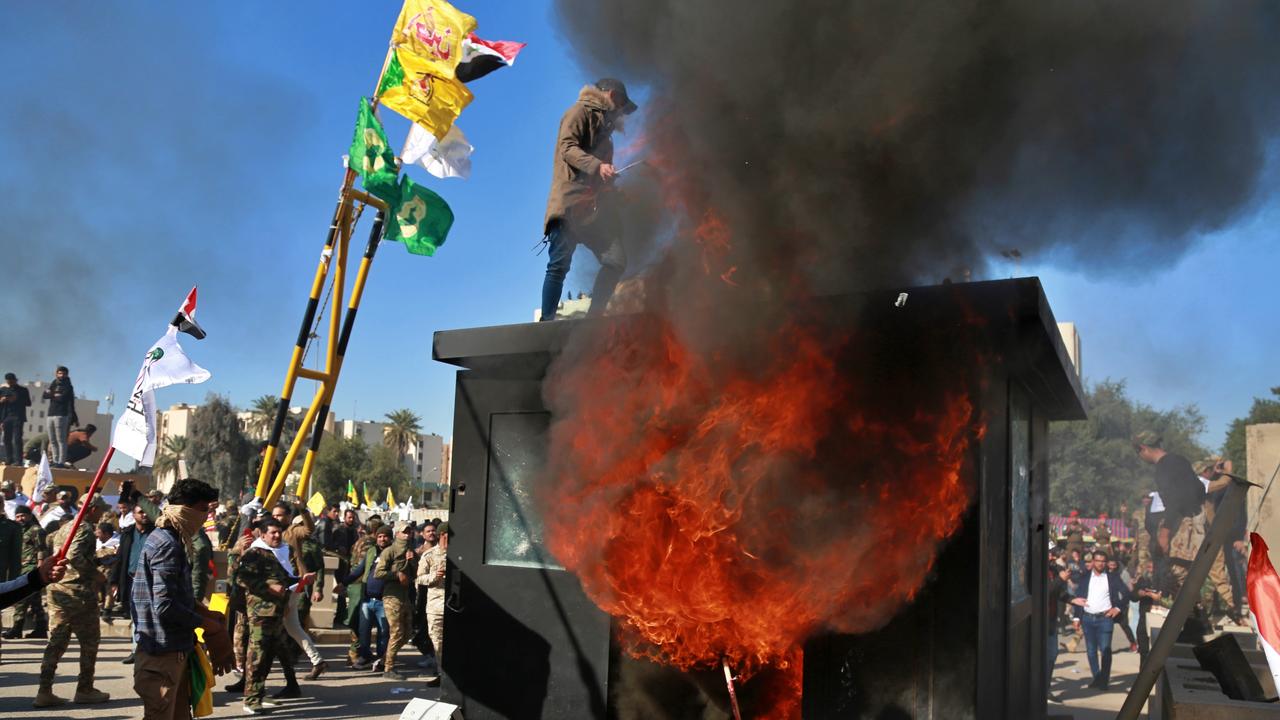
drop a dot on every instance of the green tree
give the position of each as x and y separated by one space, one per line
338 461
1092 465
386 469
264 415
217 451
402 431
171 452
1264 410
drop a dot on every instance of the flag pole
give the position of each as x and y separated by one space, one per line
84 502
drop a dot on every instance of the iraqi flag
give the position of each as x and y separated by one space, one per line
1264 602
185 320
481 57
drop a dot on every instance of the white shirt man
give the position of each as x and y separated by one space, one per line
1099 599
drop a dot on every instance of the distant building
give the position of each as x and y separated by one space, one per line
1071 338
424 459
86 412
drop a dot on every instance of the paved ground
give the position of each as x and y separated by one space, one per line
1071 677
340 693
343 693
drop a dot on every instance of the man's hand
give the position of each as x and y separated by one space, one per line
1079 601
1113 612
210 624
1239 546
317 596
607 171
52 572
307 579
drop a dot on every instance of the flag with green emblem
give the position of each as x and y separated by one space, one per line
418 218
371 156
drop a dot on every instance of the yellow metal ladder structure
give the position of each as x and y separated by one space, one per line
333 259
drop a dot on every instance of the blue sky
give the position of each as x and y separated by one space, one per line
151 147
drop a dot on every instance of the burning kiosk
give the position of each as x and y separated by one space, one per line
525 640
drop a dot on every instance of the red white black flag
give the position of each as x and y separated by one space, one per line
185 320
1264 602
481 57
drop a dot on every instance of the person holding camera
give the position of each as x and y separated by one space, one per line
14 401
62 406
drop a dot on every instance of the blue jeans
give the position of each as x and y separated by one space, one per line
560 246
57 427
1097 641
371 612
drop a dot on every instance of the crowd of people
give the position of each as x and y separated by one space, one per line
1096 587
149 561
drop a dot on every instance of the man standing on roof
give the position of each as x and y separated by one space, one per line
580 207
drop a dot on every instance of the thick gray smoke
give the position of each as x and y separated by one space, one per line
889 141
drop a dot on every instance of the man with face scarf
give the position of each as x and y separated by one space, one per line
165 609
581 209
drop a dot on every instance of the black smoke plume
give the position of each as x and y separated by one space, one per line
887 141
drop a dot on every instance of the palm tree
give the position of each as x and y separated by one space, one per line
264 415
402 431
174 449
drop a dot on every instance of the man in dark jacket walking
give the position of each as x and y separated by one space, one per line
1100 597
14 401
165 610
579 208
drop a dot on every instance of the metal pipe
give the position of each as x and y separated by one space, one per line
1230 509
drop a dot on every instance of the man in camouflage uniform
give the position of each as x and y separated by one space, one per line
266 587
1211 472
236 604
32 554
431 582
396 567
201 555
73 608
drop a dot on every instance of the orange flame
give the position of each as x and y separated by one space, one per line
675 487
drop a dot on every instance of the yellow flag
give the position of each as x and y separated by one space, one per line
431 32
391 499
410 88
351 494
316 504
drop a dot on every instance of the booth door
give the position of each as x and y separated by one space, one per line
521 638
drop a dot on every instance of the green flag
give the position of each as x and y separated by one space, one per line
419 218
371 156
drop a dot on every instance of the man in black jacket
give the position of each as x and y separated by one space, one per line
62 405
14 401
1100 597
1183 496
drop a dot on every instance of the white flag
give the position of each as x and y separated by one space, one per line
450 157
165 364
44 477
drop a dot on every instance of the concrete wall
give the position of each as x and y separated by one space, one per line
1263 452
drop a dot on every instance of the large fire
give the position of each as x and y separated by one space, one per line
724 510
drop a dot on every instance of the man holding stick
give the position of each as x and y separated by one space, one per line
165 609
580 207
73 608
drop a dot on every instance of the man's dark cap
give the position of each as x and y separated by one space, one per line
190 491
615 85
11 376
